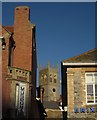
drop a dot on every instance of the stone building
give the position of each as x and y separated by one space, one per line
19 67
50 90
49 82
79 86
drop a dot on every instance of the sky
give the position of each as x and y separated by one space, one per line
63 29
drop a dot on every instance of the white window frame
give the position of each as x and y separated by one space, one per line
93 87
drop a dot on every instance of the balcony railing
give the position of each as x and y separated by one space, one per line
14 73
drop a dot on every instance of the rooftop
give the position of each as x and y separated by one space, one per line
87 57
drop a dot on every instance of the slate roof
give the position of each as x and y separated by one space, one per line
87 57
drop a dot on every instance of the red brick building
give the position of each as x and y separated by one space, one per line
19 66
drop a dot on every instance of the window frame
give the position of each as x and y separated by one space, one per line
94 83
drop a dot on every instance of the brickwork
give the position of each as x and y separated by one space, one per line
23 39
4 71
21 67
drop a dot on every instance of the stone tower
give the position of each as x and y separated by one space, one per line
49 83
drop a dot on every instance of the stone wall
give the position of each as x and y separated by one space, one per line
17 76
51 88
54 114
77 92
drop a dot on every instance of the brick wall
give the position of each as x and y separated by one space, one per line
5 93
23 38
21 56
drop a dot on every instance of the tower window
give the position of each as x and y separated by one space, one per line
54 90
50 77
55 79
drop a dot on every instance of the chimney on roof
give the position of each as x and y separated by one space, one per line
22 14
23 38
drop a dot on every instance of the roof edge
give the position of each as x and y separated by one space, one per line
80 55
77 64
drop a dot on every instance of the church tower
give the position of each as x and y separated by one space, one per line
49 83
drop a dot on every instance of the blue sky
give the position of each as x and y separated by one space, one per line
64 30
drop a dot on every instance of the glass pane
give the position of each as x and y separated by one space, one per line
96 93
89 79
96 89
90 96
95 74
89 89
95 79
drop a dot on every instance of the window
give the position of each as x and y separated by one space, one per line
50 77
91 87
54 90
55 78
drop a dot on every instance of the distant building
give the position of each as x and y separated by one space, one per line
79 86
49 88
19 67
49 82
